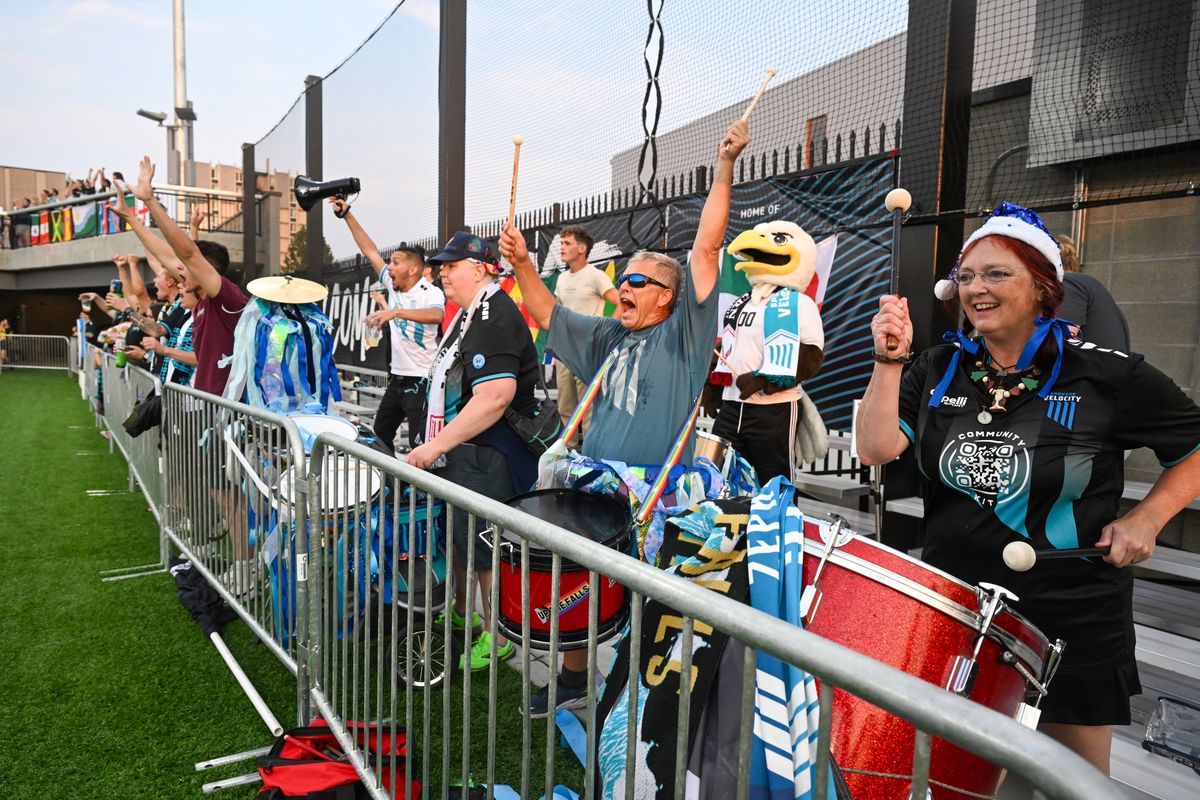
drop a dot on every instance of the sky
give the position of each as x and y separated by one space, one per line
76 71
570 76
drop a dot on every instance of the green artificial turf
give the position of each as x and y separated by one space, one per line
110 690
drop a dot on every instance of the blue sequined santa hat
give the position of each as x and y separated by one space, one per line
1015 222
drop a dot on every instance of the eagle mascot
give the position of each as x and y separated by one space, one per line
771 341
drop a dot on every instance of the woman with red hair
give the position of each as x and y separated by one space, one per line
1019 432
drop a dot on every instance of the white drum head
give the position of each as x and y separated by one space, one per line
346 484
316 424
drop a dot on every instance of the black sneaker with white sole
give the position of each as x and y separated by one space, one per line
568 697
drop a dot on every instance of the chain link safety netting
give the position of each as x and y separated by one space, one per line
1083 101
380 125
621 103
1053 104
278 159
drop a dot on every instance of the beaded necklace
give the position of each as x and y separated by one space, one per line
997 385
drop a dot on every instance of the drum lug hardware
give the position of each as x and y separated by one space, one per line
1053 659
488 537
962 676
810 598
1008 657
964 670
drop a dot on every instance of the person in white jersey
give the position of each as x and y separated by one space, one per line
583 289
413 316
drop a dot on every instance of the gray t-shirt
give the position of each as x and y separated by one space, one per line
649 391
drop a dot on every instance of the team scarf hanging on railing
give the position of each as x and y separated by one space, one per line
784 744
283 358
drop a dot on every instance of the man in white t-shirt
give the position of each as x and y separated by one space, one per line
413 315
583 289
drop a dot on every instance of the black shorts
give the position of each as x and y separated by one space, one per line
764 434
484 470
1093 697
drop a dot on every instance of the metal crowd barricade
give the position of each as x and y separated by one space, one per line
124 387
35 352
375 647
89 367
233 495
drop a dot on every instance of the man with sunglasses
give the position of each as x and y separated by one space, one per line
662 339
413 316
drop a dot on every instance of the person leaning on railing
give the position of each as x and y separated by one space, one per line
662 339
203 266
175 351
486 364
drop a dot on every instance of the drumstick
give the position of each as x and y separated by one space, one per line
1020 556
771 72
725 361
308 748
512 198
897 201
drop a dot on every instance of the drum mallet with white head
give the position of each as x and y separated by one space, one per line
1020 556
897 202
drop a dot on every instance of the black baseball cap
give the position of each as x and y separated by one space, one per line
466 245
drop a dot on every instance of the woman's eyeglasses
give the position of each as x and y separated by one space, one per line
991 276
639 281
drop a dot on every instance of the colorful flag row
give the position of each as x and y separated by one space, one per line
79 221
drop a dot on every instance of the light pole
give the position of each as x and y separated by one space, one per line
172 154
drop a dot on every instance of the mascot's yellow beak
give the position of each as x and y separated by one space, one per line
770 248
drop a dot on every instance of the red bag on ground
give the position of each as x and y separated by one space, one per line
308 762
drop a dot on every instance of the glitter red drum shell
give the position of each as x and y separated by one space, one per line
895 609
605 521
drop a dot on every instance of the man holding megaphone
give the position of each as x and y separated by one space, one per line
414 312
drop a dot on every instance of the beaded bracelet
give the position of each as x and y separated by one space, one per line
884 358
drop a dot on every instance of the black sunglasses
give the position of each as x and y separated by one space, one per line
639 281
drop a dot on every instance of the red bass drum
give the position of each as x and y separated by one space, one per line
898 610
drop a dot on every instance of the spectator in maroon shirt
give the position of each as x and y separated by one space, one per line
202 265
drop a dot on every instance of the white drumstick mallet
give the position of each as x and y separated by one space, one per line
1020 556
898 201
512 198
771 73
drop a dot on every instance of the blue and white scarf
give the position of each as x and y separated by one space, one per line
279 366
781 340
783 748
781 336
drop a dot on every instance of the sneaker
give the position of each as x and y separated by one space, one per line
481 653
568 697
457 621
240 579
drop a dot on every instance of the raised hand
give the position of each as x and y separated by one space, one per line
512 245
118 207
892 320
143 190
734 142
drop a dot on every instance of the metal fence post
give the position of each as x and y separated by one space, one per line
250 267
314 252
